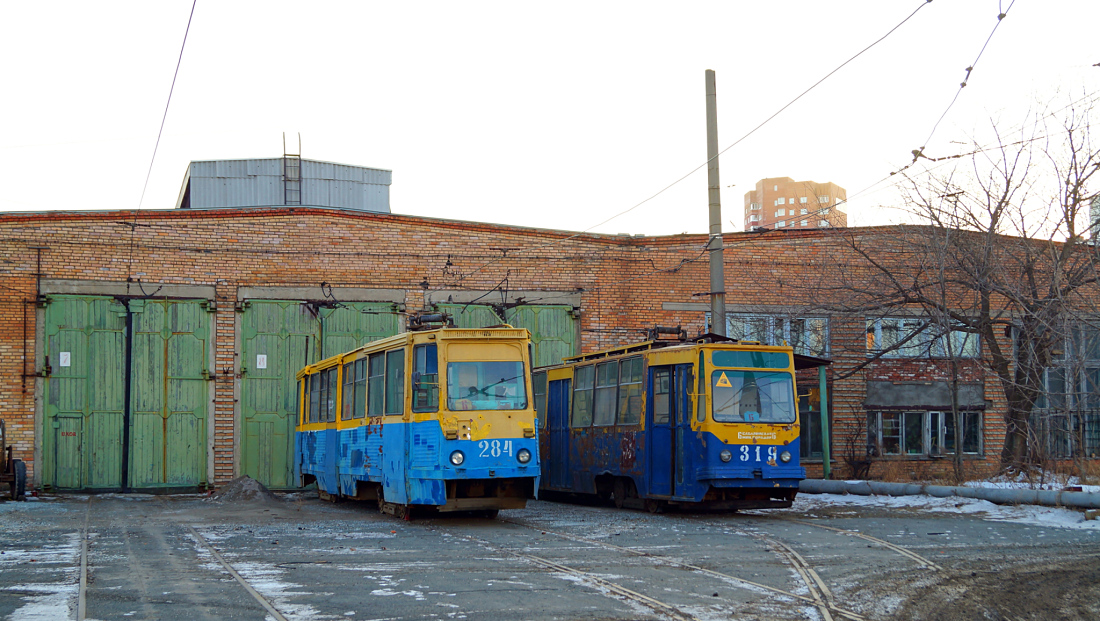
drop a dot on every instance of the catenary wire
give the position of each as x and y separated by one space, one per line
735 143
160 132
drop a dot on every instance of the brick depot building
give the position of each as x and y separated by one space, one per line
191 323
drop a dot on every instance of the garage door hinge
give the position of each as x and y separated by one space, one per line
242 306
210 306
42 300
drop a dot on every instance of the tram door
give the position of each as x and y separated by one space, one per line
668 419
558 404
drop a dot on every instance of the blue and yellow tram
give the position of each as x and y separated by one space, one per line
437 419
709 423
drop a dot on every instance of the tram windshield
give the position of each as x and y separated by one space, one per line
752 396
486 386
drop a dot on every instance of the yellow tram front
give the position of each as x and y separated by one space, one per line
438 418
708 422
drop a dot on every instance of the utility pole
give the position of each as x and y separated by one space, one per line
717 271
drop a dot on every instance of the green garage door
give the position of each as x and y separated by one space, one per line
170 398
553 331
553 327
278 338
84 433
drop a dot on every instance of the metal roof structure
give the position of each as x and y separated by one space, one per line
289 180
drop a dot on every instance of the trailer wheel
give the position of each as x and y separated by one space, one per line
19 483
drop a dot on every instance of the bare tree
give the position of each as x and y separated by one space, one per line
1001 251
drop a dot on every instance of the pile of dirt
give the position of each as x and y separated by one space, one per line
1037 590
243 489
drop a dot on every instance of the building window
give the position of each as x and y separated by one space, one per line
782 201
803 211
807 335
823 223
809 434
781 212
802 199
804 222
780 224
1067 413
921 434
775 188
886 335
823 199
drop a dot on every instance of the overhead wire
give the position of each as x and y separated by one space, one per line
179 61
735 143
919 152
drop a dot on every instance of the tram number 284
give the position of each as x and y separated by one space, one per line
748 453
495 448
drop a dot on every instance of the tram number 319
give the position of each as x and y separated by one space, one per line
494 448
746 453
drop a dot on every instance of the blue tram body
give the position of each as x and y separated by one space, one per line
438 419
711 423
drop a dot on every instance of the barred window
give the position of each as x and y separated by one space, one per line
921 433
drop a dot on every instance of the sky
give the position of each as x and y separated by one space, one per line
558 115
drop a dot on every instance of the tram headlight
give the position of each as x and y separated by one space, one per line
457 458
523 455
785 457
725 455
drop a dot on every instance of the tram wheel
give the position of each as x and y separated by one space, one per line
490 514
620 492
655 506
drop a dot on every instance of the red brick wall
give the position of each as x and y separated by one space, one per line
623 282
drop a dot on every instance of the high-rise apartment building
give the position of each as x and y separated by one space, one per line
782 202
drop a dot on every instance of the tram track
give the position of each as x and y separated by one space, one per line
87 533
851 533
654 604
820 596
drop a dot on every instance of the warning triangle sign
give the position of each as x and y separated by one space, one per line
723 382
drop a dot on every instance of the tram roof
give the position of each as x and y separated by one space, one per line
801 361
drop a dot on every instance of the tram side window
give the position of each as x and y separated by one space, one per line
662 397
322 415
582 396
607 385
630 391
359 408
376 385
425 378
347 397
538 380
330 412
395 382
315 398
